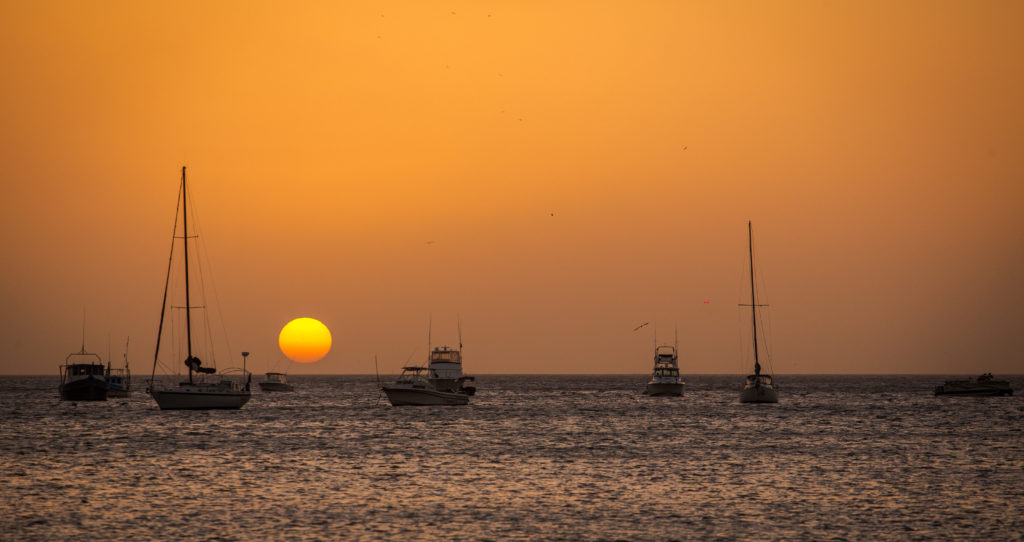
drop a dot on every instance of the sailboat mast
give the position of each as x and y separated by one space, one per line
188 316
753 300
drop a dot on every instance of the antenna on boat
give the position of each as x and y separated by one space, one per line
83 329
377 369
655 334
459 321
430 324
245 356
380 387
677 337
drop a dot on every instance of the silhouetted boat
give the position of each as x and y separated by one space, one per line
665 379
204 389
758 388
415 388
82 379
119 381
983 386
276 382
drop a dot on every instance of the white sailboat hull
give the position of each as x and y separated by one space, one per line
403 396
200 398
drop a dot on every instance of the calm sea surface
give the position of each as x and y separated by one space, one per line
533 457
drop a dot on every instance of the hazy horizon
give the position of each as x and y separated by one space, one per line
552 176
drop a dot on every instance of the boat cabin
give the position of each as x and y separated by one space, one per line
417 377
78 371
665 353
443 354
276 378
666 371
446 363
759 380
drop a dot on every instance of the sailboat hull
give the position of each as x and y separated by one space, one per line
759 394
197 398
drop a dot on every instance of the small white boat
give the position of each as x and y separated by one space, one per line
984 386
665 379
276 382
415 388
758 388
204 389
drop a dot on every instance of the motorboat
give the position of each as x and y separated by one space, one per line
82 377
205 388
415 386
758 388
276 382
983 386
665 379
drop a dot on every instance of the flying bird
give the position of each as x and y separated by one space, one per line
640 326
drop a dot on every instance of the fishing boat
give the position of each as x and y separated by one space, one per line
415 387
205 389
759 387
665 379
276 382
984 386
119 381
82 377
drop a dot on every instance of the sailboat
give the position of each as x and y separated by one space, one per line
204 389
759 388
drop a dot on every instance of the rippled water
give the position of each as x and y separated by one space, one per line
532 457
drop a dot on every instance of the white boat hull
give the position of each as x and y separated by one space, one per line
199 398
759 394
664 389
402 396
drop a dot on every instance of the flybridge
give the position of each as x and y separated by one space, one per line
444 354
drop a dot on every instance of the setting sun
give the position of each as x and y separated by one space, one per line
305 340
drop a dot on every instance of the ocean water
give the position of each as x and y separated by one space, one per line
532 457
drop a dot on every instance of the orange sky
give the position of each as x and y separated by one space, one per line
371 164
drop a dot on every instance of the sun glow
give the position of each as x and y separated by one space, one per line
305 340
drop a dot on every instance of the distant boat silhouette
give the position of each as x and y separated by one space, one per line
759 388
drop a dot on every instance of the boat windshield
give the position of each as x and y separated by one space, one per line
85 370
446 355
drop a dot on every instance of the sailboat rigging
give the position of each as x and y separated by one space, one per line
197 393
758 388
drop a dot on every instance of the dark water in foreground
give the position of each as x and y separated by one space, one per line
533 457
